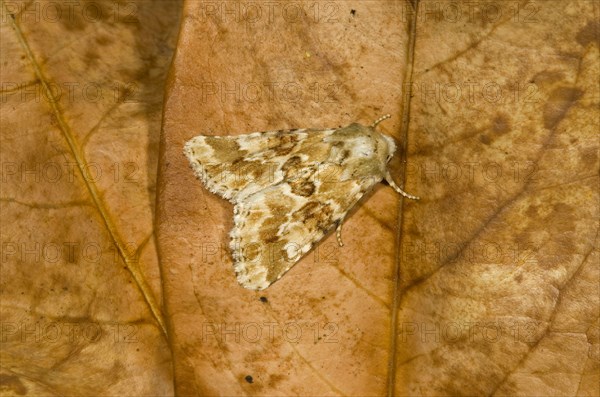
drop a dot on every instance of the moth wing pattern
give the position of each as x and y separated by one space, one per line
274 228
289 189
230 165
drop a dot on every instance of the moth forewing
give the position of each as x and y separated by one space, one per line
284 204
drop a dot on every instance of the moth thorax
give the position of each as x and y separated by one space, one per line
363 146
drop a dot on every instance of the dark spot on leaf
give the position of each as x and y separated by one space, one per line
590 33
275 379
501 124
589 156
12 385
519 278
103 40
91 57
559 103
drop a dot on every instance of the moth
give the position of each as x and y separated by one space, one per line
289 189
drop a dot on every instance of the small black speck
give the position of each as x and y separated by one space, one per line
353 12
249 379
264 299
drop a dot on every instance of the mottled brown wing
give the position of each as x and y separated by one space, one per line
275 227
229 165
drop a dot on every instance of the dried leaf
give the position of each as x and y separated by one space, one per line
81 106
488 285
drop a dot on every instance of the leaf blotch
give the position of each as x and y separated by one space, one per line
590 33
501 124
274 380
559 103
12 384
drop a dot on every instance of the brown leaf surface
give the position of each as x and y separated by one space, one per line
81 296
487 286
497 291
504 299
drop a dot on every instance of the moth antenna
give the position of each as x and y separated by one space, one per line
388 179
379 120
